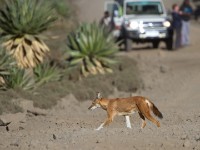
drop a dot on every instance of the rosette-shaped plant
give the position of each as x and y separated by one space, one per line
22 22
91 49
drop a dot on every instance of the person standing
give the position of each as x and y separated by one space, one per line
177 25
187 11
106 21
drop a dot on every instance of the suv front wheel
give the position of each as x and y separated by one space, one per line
169 40
127 44
169 43
155 44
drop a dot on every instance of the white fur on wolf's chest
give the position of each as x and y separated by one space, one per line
126 113
96 106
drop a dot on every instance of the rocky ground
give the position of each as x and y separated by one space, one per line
171 80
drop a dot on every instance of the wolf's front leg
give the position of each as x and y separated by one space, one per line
111 115
106 123
100 127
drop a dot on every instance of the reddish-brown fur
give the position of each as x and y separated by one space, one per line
126 106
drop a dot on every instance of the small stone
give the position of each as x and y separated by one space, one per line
15 143
7 128
3 122
12 121
189 120
184 137
97 141
22 121
197 138
37 112
163 69
33 144
54 137
186 144
21 128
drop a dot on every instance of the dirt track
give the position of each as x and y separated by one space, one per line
171 81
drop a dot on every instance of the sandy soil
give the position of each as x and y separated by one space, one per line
171 81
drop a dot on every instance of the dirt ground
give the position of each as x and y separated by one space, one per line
171 80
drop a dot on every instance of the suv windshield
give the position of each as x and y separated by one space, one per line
144 8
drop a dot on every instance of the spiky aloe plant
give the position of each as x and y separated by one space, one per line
91 49
5 62
45 73
19 78
5 65
22 21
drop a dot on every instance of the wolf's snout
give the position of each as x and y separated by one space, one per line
92 107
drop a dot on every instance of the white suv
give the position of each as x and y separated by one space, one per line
140 21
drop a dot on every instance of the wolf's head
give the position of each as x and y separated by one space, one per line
96 103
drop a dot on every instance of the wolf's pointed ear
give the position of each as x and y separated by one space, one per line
98 95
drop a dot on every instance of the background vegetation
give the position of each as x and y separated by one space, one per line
125 78
72 48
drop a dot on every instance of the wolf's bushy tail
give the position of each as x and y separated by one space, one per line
155 109
157 112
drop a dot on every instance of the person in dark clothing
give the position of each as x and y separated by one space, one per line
187 12
105 20
177 25
197 13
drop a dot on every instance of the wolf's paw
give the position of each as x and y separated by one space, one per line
97 129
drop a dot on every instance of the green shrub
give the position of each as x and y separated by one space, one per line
125 78
62 7
91 49
46 73
12 77
22 21
19 78
28 79
5 64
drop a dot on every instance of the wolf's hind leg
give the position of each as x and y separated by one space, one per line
148 116
143 120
